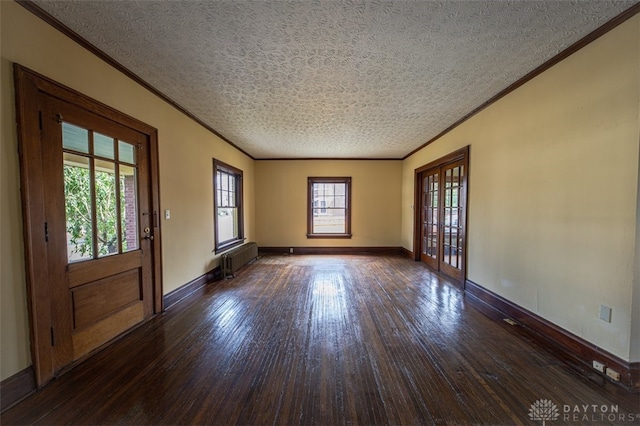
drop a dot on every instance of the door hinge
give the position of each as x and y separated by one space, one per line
53 342
40 120
46 232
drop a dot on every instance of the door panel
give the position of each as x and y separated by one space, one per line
442 198
84 272
87 339
97 208
452 247
90 304
430 218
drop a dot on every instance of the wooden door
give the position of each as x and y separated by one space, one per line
441 223
98 228
430 218
90 199
452 214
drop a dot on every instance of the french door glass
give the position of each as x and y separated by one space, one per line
430 218
452 243
442 218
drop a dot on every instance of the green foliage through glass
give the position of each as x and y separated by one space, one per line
79 210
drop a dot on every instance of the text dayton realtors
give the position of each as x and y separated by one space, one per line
596 413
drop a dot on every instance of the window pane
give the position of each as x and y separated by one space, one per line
126 152
225 182
219 183
128 208
106 208
227 224
78 210
103 146
75 138
332 222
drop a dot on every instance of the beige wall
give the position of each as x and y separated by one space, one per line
553 186
186 152
635 316
281 202
553 211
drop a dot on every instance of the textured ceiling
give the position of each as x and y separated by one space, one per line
353 79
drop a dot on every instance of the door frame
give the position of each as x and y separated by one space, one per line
29 86
461 154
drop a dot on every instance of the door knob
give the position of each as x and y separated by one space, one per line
147 232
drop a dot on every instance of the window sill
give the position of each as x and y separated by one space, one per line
344 236
228 246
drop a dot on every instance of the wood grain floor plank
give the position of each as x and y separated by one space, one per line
325 340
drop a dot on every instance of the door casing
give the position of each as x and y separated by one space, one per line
29 87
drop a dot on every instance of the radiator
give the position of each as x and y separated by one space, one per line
237 258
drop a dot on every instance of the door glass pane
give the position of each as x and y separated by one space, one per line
103 146
452 239
430 218
106 208
128 208
452 251
78 207
126 152
75 138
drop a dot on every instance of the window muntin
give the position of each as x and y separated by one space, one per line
229 229
329 207
101 198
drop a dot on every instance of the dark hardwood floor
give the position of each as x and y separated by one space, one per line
325 340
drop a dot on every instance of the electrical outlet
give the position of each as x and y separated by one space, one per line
605 313
598 366
291 250
613 374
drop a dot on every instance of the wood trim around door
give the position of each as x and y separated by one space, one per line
30 87
461 154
